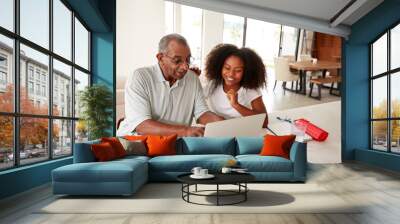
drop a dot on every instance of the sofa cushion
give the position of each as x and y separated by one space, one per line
83 152
185 163
205 145
111 171
131 158
257 163
116 145
249 145
161 145
103 152
277 145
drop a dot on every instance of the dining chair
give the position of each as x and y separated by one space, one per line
305 57
291 58
284 74
312 75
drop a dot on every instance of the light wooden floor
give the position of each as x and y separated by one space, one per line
326 116
277 100
377 188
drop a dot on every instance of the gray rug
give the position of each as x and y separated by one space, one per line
166 198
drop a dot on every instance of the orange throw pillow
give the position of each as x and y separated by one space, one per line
161 145
136 138
116 145
103 152
277 145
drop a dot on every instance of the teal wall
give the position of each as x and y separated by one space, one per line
24 178
355 100
103 53
99 16
95 13
376 158
103 64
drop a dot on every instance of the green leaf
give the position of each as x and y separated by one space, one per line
96 103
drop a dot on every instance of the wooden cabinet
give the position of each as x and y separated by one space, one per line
327 48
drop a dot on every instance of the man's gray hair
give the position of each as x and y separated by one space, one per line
163 44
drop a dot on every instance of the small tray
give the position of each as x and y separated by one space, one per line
208 176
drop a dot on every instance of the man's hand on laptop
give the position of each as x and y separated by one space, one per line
194 131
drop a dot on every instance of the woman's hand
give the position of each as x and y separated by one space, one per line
196 70
232 97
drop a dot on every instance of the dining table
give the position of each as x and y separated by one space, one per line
304 66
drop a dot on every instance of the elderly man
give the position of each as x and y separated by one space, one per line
163 99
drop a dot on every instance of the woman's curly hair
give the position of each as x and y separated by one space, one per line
254 70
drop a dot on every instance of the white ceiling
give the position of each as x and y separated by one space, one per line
319 9
313 15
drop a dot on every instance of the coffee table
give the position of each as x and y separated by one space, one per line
238 179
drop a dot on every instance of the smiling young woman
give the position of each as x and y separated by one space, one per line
235 77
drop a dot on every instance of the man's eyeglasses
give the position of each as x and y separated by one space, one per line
178 61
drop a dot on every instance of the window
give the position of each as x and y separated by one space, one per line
191 27
39 62
395 47
269 40
7 74
43 77
3 78
62 29
6 142
7 14
187 21
55 102
169 17
30 72
233 30
45 131
44 91
289 40
81 45
63 73
264 38
3 61
37 89
30 87
37 75
62 137
3 72
379 56
35 21
81 81
385 97
55 75
33 147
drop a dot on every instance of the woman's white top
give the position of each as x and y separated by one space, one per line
218 101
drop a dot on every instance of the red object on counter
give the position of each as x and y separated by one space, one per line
312 130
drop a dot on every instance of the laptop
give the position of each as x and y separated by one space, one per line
242 126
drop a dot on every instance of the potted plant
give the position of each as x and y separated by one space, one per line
96 104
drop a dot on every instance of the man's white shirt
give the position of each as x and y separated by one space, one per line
149 96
